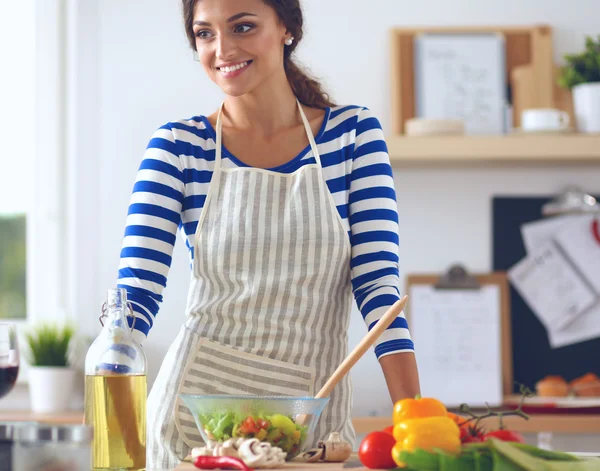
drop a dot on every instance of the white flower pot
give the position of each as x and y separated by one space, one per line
50 388
586 104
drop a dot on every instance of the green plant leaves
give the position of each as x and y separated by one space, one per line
583 67
49 344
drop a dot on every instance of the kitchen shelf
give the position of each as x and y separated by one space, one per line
513 149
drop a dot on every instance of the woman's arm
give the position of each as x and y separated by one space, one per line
373 218
401 375
152 222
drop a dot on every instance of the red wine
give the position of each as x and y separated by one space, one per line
8 376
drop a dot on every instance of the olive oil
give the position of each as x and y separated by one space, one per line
115 405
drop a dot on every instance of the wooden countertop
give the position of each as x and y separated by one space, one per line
68 417
557 423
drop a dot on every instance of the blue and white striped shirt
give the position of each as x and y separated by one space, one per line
172 184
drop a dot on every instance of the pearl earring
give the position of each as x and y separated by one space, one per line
289 41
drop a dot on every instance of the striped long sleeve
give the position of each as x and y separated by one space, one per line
153 219
173 180
373 219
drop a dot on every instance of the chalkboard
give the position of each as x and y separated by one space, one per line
462 76
533 358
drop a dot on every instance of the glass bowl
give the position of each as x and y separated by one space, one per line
271 419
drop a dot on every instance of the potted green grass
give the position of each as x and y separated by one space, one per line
581 74
51 375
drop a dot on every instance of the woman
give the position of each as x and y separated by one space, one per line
287 206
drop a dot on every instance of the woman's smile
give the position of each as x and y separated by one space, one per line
233 69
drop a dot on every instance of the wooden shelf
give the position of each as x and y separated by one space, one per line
515 149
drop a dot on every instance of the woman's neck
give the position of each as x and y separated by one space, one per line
266 110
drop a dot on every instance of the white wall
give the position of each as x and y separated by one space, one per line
147 77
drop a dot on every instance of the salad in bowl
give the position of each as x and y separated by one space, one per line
282 421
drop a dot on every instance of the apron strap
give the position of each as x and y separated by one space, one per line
309 134
219 130
219 140
215 179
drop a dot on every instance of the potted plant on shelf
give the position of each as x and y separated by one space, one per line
51 375
581 74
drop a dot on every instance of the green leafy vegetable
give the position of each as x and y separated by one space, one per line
497 455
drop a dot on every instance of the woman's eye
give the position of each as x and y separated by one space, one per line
203 34
243 28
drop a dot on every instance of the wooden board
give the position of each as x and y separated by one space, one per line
525 46
299 465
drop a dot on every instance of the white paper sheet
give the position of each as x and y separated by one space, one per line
537 233
579 244
553 289
458 338
585 327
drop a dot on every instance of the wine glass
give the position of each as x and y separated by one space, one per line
9 358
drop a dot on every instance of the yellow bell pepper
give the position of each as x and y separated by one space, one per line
419 407
426 433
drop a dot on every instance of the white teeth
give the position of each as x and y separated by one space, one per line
234 68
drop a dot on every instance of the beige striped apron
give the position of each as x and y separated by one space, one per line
268 305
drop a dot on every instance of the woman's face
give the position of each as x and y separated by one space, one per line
239 43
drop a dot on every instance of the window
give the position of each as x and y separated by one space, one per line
32 160
17 83
13 241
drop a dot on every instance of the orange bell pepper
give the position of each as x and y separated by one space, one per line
418 407
425 433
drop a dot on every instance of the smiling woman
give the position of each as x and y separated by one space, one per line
261 30
287 206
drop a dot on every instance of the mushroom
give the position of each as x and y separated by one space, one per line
254 453
335 449
227 448
201 451
313 455
261 455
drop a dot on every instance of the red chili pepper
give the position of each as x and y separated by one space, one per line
220 462
596 229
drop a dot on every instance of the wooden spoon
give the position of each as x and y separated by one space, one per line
392 313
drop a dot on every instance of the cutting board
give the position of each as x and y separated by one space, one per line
297 465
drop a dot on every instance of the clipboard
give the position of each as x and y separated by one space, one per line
482 340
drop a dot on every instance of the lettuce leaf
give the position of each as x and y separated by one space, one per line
496 455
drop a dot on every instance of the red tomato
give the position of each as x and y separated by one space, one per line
248 426
466 438
264 424
505 435
471 434
389 430
375 451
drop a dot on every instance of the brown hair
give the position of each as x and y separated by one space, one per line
308 90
